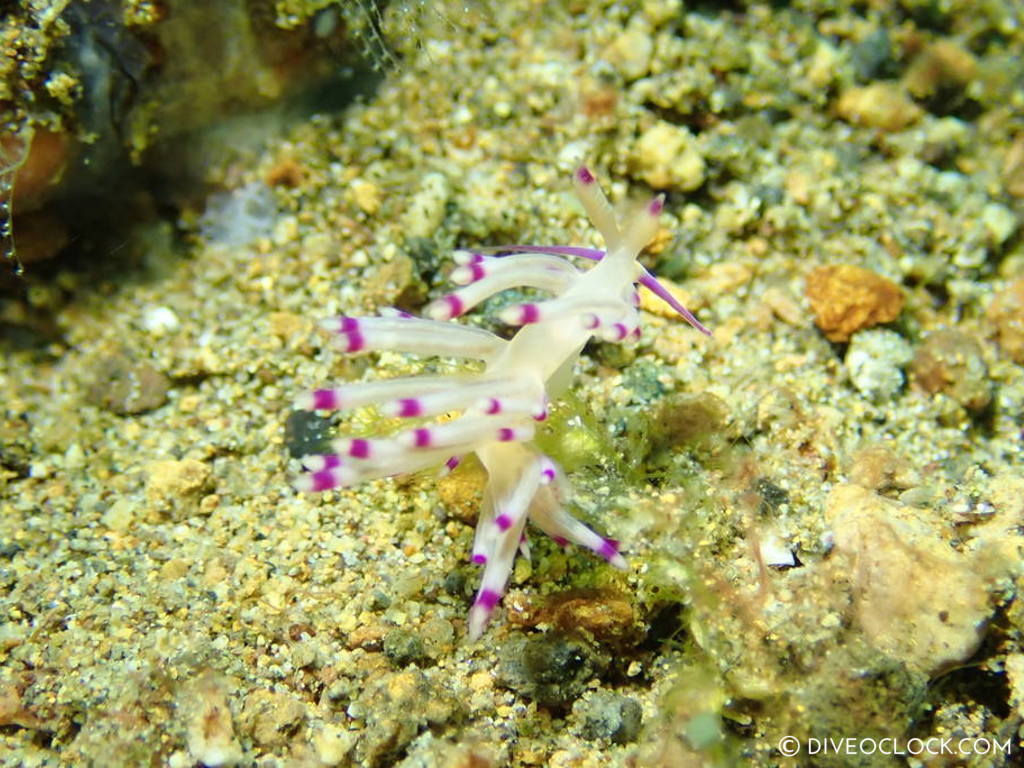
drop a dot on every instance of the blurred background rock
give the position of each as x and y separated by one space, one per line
110 112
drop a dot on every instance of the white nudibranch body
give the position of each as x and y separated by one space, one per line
500 406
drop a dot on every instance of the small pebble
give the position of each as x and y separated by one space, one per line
333 744
872 55
160 320
120 515
553 669
1000 222
1013 167
209 730
286 325
426 209
178 486
785 307
605 616
125 387
666 157
846 298
307 433
1006 313
438 635
610 716
460 490
403 647
366 195
397 706
773 497
271 718
875 361
950 362
939 67
630 52
16 447
880 105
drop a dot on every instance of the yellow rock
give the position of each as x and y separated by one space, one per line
649 302
879 105
176 478
630 52
178 486
366 195
270 717
460 490
667 156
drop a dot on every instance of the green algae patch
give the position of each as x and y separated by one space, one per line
695 422
575 438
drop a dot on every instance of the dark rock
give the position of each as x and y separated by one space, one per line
553 669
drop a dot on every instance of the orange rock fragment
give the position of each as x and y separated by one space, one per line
285 173
846 298
48 154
